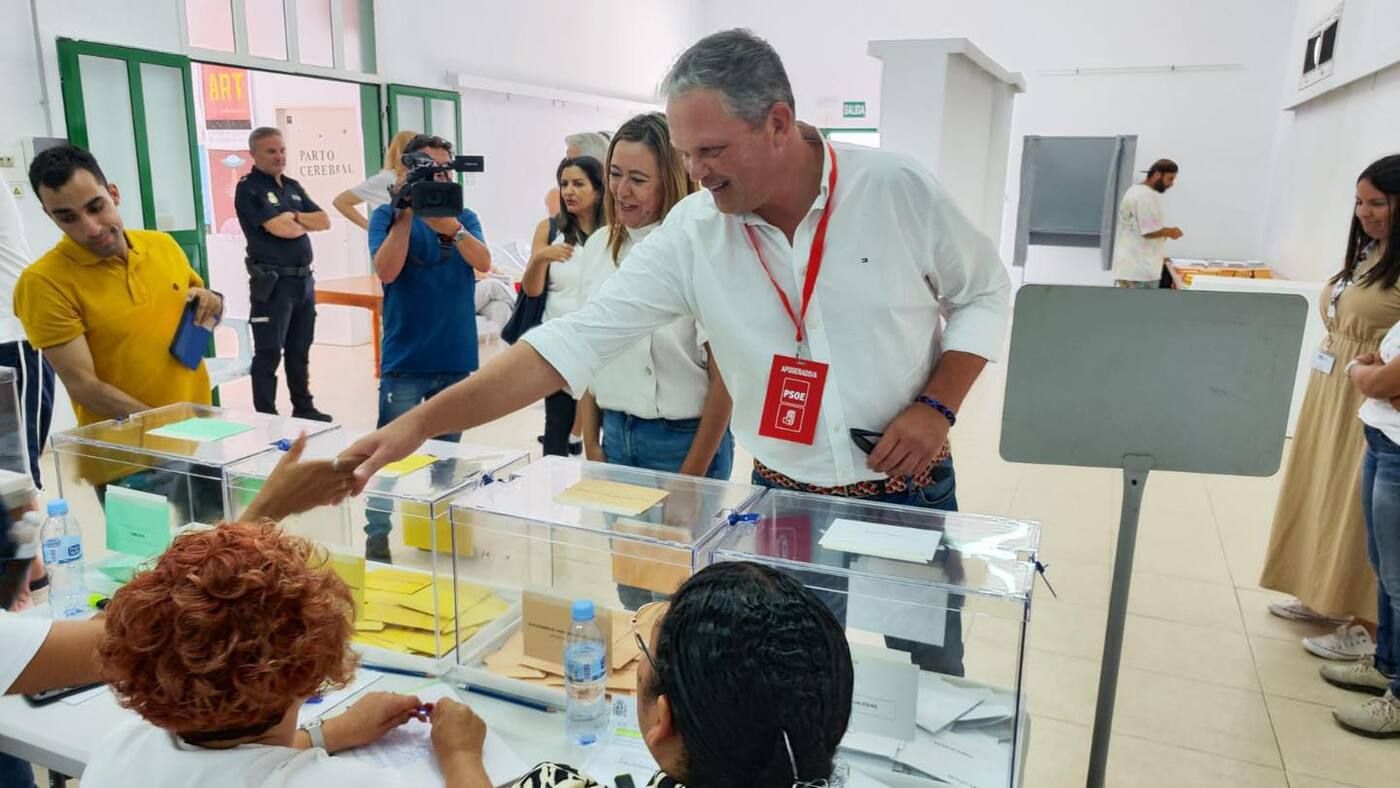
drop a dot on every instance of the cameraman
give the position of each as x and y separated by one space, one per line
429 339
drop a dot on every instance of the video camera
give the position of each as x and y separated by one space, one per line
429 197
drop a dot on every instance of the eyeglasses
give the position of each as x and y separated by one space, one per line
644 622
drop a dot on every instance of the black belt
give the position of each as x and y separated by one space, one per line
282 270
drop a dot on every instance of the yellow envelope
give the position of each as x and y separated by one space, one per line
369 626
378 640
403 617
468 596
407 465
484 612
386 597
615 497
351 569
397 581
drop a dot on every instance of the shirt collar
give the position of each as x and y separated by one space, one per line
811 134
78 254
636 236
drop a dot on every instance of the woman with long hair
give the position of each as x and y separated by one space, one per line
374 190
1317 548
552 271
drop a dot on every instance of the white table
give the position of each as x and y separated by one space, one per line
60 737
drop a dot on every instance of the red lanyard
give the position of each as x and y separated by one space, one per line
814 258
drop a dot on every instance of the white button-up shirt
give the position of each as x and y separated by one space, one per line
899 257
661 376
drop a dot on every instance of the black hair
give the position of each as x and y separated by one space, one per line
421 141
53 167
744 654
1384 174
565 221
1164 166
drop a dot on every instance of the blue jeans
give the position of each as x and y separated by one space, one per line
657 445
941 495
1380 504
398 394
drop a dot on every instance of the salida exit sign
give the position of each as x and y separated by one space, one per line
853 109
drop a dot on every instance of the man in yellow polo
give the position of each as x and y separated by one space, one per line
104 303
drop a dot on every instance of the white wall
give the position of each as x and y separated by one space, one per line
1325 143
1218 125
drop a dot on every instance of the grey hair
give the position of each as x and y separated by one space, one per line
262 132
590 143
744 68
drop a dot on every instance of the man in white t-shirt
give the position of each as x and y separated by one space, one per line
1142 233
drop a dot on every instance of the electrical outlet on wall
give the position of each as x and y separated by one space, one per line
7 162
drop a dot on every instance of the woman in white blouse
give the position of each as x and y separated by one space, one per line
374 190
662 404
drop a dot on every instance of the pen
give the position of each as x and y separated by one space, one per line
507 697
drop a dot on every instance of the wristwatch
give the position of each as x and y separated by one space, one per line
318 737
460 235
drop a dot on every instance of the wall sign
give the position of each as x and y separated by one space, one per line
853 109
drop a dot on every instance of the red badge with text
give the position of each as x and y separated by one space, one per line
794 400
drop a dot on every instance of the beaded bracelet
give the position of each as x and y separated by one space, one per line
940 407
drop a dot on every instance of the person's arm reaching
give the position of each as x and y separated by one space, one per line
67 658
346 203
633 303
714 420
459 741
970 282
73 363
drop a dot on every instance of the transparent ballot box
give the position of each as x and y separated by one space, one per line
935 607
561 530
393 545
14 452
144 477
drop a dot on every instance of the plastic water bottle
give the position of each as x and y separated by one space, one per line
585 677
63 557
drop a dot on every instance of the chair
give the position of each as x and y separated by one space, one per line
226 369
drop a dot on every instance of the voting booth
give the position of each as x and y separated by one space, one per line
145 477
935 606
411 614
563 529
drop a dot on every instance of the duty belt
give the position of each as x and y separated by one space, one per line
282 270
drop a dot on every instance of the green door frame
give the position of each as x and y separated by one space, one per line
427 94
70 74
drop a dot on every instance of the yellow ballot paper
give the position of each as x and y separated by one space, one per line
612 497
484 612
397 581
369 626
351 569
407 465
468 596
403 617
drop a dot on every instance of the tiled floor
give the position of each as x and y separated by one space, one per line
1214 691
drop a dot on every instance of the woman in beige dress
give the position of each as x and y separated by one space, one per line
1317 549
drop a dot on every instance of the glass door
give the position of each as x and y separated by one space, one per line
437 112
141 106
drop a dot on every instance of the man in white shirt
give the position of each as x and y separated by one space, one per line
1141 234
34 376
819 273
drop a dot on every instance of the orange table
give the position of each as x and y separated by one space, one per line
361 291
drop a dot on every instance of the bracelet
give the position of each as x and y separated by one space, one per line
940 407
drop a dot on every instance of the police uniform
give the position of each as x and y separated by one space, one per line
283 314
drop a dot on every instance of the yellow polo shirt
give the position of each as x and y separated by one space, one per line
128 311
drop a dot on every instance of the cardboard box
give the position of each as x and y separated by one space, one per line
544 620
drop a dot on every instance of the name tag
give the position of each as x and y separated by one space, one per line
1324 362
794 401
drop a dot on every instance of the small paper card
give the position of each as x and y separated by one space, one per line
201 430
628 500
884 700
138 523
406 466
882 541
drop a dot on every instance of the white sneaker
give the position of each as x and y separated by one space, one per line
1348 643
1378 718
1359 676
1294 610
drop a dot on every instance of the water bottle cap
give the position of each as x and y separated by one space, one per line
58 507
583 610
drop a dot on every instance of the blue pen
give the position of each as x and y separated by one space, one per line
507 697
282 444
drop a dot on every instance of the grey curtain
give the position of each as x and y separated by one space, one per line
1120 177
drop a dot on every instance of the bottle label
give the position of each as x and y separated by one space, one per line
586 665
62 550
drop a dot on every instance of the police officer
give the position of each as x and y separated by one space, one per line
276 214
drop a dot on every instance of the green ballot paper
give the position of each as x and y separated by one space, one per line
138 523
202 430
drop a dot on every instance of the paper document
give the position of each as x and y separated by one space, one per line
885 691
882 541
310 711
201 430
970 760
408 750
893 608
138 523
941 702
624 751
628 500
406 466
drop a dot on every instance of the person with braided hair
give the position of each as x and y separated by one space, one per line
745 681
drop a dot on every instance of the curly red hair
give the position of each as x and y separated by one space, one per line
230 628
